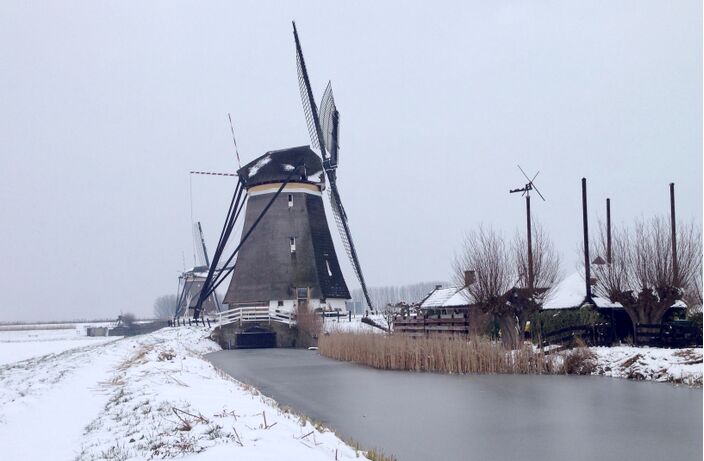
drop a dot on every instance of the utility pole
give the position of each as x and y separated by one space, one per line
530 245
529 233
587 268
608 230
675 268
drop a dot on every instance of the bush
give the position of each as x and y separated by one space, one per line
579 361
547 321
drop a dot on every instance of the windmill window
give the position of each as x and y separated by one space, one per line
292 243
280 303
290 200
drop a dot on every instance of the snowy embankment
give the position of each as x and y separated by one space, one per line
145 397
681 366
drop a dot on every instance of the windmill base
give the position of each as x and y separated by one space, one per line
261 335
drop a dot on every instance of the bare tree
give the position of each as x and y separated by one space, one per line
546 271
641 275
165 306
484 251
546 261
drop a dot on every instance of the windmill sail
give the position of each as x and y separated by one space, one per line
309 108
322 138
329 121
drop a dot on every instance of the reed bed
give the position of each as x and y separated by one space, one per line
440 354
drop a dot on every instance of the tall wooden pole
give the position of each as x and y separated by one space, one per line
530 244
608 230
675 268
587 268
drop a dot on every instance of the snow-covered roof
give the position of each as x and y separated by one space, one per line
571 292
446 298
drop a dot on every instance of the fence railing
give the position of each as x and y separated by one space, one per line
599 334
667 335
183 321
421 326
253 314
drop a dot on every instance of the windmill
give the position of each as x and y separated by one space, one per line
525 191
286 259
324 135
191 281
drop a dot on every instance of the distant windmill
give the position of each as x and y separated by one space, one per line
191 281
525 190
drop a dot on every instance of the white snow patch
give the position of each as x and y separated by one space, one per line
18 345
344 325
255 168
148 397
571 292
651 364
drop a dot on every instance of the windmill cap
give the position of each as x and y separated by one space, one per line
277 165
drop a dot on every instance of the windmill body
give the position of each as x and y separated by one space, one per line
191 281
190 285
289 260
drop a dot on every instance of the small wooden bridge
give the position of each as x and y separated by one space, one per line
254 314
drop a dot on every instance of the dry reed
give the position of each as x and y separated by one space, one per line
440 353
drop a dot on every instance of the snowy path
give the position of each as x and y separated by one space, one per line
52 401
146 397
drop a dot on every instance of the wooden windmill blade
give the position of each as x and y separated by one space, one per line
318 139
329 121
309 108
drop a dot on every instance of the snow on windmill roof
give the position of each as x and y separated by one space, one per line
276 165
571 292
446 298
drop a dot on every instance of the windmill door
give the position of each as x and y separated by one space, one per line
302 295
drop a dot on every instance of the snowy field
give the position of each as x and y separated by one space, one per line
146 397
22 344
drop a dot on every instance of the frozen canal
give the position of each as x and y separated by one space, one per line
420 416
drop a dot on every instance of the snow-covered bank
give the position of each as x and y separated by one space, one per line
355 325
653 364
145 397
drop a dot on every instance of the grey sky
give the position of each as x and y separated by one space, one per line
107 105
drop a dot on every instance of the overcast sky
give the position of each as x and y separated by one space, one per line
106 106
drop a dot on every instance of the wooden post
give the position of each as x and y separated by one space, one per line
608 230
675 268
585 222
530 245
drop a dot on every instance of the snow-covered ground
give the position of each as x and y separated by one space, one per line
343 324
23 344
148 397
644 363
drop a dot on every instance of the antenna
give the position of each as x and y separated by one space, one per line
232 130
525 191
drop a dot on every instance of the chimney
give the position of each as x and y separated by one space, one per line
437 287
469 278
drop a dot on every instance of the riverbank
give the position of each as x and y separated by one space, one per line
147 397
489 417
481 356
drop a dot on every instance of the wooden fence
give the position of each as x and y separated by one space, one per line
667 335
599 334
420 326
